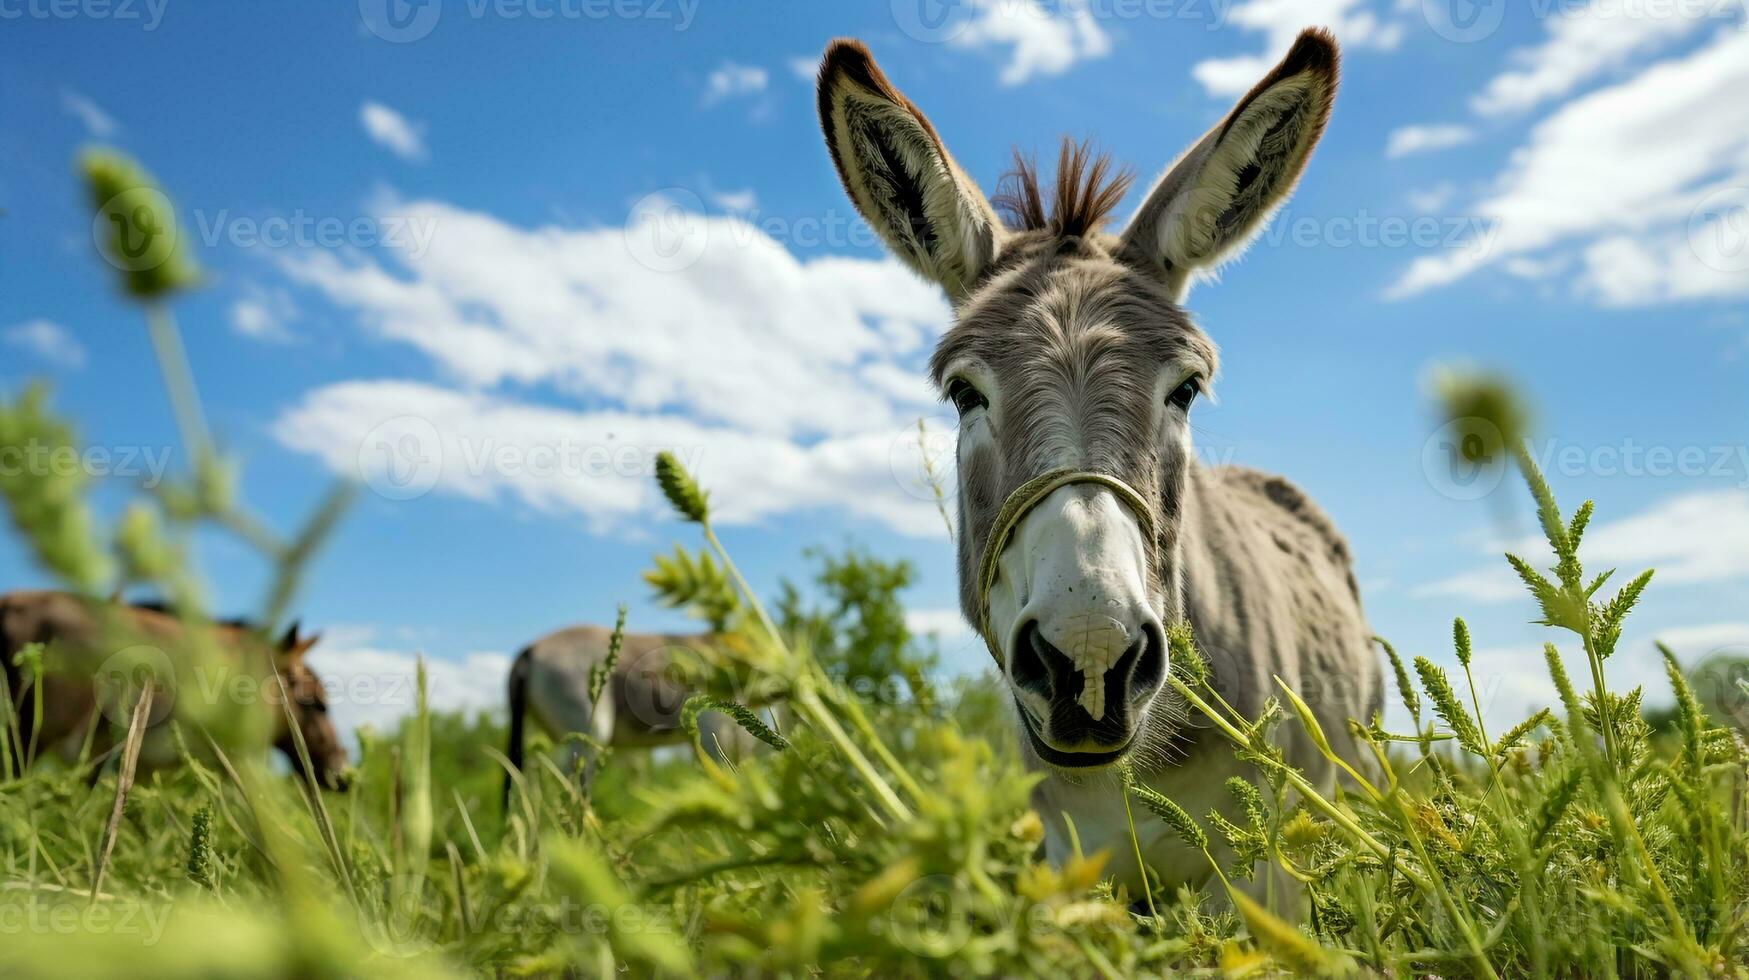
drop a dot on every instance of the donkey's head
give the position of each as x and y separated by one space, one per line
309 709
1073 369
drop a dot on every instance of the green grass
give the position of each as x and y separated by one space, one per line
891 835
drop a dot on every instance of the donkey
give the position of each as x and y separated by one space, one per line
639 707
79 632
1086 522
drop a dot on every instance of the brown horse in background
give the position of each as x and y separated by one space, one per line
79 634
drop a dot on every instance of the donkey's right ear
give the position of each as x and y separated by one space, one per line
1224 188
900 177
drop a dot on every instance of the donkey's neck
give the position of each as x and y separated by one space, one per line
1217 586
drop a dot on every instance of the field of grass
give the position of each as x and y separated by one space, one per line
881 835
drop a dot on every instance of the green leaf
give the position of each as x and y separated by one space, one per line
1548 814
1411 700
581 872
1183 655
1548 514
682 491
140 237
1578 729
697 583
1448 707
1173 814
1688 710
600 672
1558 608
1517 732
1607 623
1576 527
46 500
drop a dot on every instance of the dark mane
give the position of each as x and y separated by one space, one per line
1085 192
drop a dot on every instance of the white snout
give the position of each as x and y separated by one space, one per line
1077 569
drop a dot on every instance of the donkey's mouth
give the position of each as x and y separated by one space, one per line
1071 760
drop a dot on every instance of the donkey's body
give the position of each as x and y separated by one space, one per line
1086 524
639 707
80 635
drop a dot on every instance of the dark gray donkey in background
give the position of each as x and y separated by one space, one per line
640 707
1073 367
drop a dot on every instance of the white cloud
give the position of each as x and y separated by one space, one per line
806 69
98 123
393 131
1691 644
1433 198
945 622
1708 260
732 80
1697 537
1649 179
47 340
1422 139
744 335
1041 43
792 384
263 314
744 200
1492 584
1525 267
1280 21
1692 538
370 685
595 464
1588 41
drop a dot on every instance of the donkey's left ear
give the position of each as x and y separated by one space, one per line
1224 188
900 176
295 640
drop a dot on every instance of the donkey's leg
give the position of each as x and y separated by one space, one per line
600 726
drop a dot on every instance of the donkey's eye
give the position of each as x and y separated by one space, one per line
1184 394
964 396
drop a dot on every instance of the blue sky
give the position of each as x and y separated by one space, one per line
545 239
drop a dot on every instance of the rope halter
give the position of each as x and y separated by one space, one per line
1020 503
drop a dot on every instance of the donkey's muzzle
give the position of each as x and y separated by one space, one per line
1041 668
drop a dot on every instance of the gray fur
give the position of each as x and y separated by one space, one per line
641 705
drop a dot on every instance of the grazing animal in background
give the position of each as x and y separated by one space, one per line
639 707
1087 524
80 633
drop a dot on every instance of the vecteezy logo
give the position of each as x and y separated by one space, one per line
1721 684
121 680
1464 21
929 916
130 232
1718 230
922 458
666 230
400 21
400 920
401 459
1464 459
931 21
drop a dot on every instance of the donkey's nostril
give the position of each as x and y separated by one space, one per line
1150 662
1036 662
